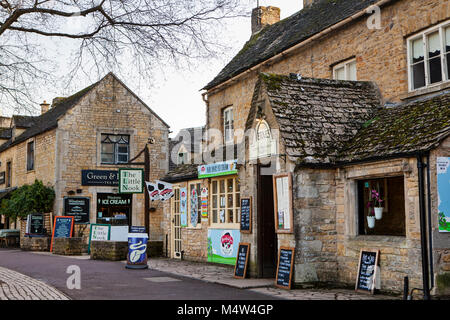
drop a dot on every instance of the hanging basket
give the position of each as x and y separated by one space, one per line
379 213
371 222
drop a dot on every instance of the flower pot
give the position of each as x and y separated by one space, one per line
371 222
379 213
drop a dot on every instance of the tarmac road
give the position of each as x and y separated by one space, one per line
107 280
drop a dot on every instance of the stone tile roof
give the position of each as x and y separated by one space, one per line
417 126
182 172
20 121
318 116
288 32
5 133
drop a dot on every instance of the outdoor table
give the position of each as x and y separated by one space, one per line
8 234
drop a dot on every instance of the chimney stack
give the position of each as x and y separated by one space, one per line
307 3
44 107
264 16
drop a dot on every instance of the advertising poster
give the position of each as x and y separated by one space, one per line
194 207
443 182
223 245
183 207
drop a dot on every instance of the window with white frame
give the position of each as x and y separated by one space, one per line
182 158
115 148
228 125
225 202
429 57
195 213
345 71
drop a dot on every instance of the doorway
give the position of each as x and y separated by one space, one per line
267 238
176 224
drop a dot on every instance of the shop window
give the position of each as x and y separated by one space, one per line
195 204
429 57
345 71
30 156
228 125
114 209
225 202
8 174
115 148
391 192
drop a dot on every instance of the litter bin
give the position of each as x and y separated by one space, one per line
137 251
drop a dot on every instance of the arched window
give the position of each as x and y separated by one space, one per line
264 139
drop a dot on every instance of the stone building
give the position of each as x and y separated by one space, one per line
380 122
78 144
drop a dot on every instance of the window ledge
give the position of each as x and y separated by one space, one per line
376 238
425 91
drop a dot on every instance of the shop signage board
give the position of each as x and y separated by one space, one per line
99 232
35 224
285 267
443 188
62 228
131 180
78 207
223 245
183 207
367 270
240 269
246 215
106 178
282 194
217 169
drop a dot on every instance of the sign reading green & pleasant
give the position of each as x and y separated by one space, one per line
131 180
217 169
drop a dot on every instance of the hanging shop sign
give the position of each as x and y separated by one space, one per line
194 207
283 203
165 190
240 269
153 191
217 169
183 207
367 271
78 208
104 178
223 245
62 228
285 267
131 180
443 186
99 232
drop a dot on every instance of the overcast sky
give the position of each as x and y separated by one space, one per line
175 93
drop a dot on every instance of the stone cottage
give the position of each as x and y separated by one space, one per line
322 146
78 144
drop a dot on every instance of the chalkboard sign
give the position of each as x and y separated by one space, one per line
246 215
62 228
284 268
78 207
36 224
367 270
240 270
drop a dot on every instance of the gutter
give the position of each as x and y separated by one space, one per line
301 44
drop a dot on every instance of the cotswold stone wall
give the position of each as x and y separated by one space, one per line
381 56
109 250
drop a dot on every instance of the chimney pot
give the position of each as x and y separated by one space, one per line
44 107
307 3
264 16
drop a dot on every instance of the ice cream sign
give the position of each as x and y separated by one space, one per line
217 169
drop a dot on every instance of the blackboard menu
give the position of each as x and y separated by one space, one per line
240 269
36 224
368 262
78 207
284 268
62 228
246 215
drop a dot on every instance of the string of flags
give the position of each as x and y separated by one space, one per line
159 190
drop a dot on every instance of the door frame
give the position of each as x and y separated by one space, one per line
175 218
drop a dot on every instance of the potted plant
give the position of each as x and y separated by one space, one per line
377 203
370 215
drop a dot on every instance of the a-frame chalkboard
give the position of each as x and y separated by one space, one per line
240 269
367 271
285 268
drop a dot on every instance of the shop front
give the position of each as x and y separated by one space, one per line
114 209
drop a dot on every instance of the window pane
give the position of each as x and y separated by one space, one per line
122 158
122 149
340 73
434 45
222 186
107 158
230 218
214 201
417 51
214 187
418 71
230 185
107 148
435 70
447 39
230 201
352 71
214 217
222 201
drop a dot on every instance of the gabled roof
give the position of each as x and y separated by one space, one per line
407 129
23 122
317 117
288 32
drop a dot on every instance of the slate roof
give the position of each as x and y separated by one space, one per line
191 138
317 116
288 32
182 172
20 121
406 129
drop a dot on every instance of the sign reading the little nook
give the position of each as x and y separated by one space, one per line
131 180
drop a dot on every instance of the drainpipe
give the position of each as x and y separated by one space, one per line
430 232
423 238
